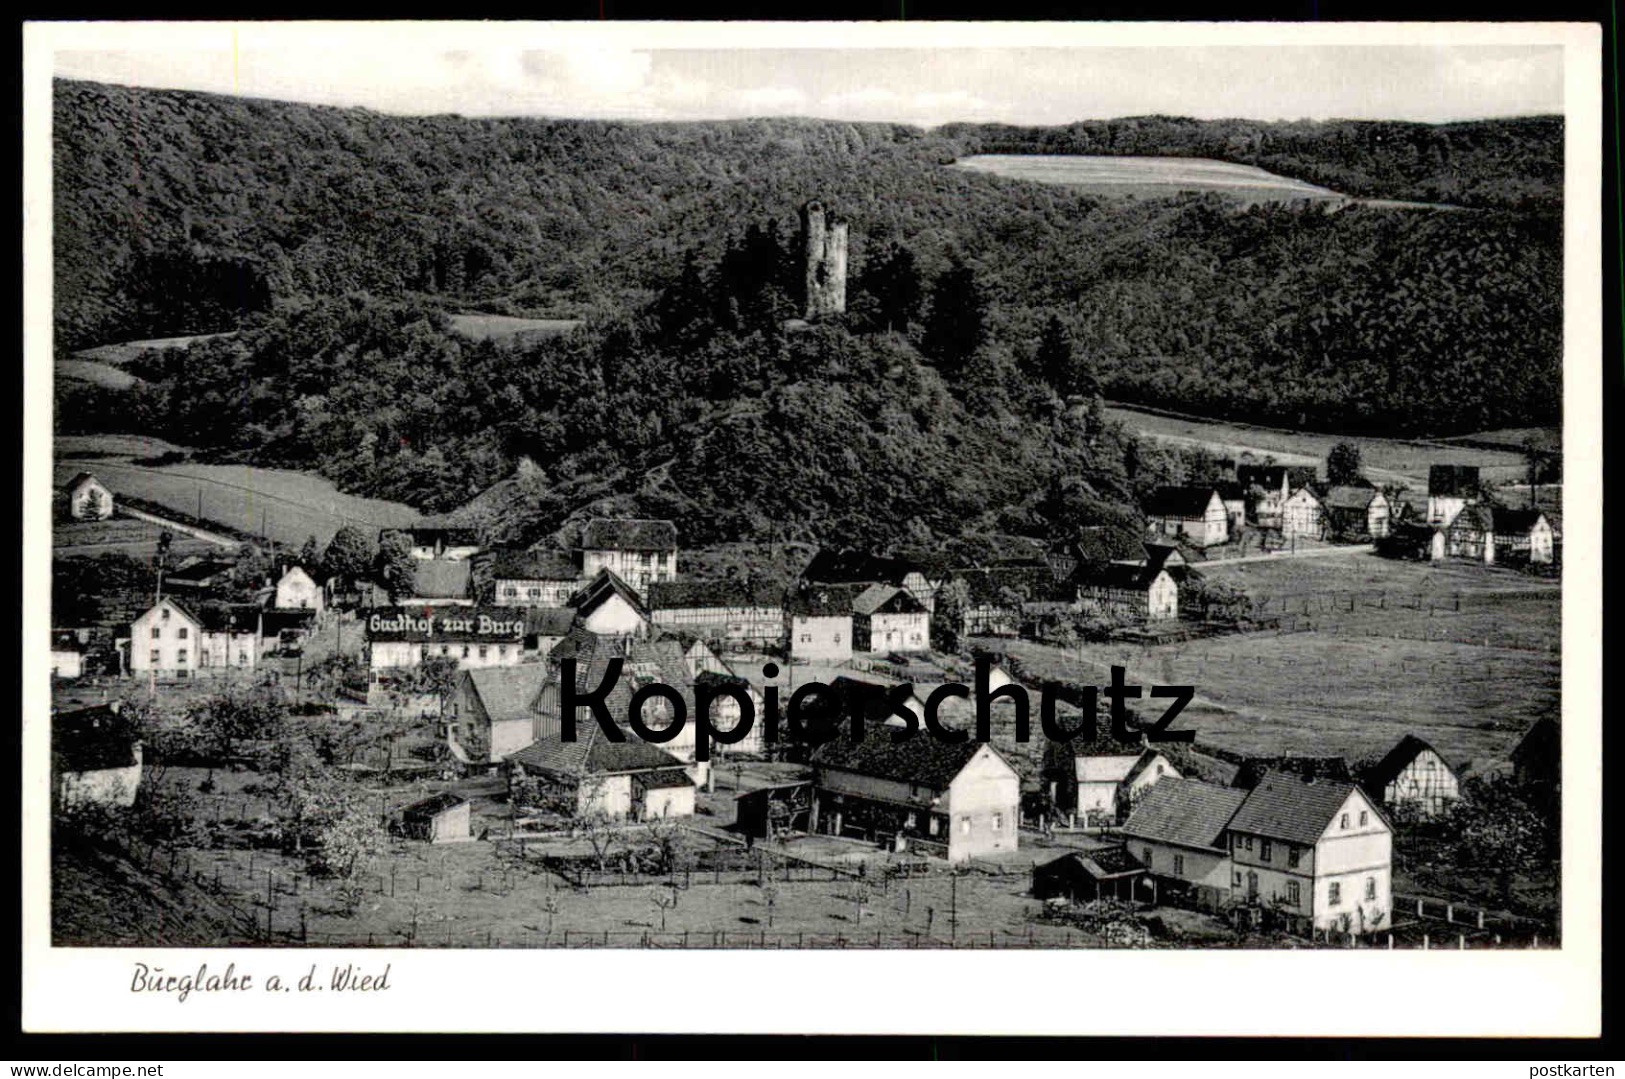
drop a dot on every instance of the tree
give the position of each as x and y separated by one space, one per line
396 566
349 554
238 714
310 556
956 326
1067 374
892 282
1343 464
1497 827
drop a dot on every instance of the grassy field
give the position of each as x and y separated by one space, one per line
119 535
1385 459
502 327
1147 176
288 506
95 371
125 351
1463 657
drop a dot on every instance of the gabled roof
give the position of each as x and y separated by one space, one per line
1270 477
74 484
1385 771
1117 575
1540 743
670 595
1188 502
629 534
1514 522
579 644
1350 497
533 565
1230 492
507 692
1106 769
1453 481
549 621
315 577
433 806
818 600
1186 813
845 566
922 759
1250 771
92 739
1103 864
441 578
593 754
989 584
1285 807
598 591
887 599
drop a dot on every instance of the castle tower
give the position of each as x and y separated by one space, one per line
823 239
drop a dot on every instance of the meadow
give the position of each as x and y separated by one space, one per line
286 506
1385 459
482 327
1147 176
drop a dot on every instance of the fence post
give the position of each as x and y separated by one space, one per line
1390 942
1424 942
1481 919
1461 942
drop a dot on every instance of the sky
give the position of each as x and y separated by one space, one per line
543 70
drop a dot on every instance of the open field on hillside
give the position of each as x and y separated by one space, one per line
119 535
502 327
1385 459
96 372
95 447
287 506
125 351
1146 176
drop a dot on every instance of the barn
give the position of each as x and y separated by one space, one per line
1085 876
439 818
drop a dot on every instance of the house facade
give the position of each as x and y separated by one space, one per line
844 566
716 610
1196 515
887 618
297 590
1319 852
610 607
1356 513
89 499
1177 832
1450 489
820 621
543 578
492 712
1107 786
1135 592
1413 778
1303 516
957 801
402 637
639 552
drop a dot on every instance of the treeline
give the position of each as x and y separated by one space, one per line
1367 318
1504 163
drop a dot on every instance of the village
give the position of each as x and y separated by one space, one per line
364 745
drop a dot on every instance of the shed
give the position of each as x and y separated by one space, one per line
1084 876
440 818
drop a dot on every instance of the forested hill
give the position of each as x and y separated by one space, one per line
1505 163
182 212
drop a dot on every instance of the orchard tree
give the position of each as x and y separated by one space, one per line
349 554
310 556
235 715
1343 464
396 566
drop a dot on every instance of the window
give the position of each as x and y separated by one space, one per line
534 593
936 826
998 820
465 651
157 657
484 652
1344 823
181 633
512 590
1365 818
964 826
1237 878
502 650
1264 849
164 614
806 638
1294 893
1248 840
1179 865
837 638
1334 893
1371 887
242 659
1292 856
1160 769
180 658
1145 856
203 658
157 633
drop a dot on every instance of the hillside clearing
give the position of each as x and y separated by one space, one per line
482 327
125 351
95 372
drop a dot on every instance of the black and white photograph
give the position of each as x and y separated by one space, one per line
528 488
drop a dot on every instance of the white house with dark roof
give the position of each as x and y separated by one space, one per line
298 590
957 800
844 566
1107 784
96 756
638 551
819 621
887 618
610 607
1177 832
1195 514
1319 851
1354 512
1450 489
88 498
492 712
1303 515
403 637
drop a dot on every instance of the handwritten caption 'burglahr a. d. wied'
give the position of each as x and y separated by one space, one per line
339 978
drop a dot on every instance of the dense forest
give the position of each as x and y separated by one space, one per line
335 239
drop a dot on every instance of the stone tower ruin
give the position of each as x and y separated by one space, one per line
823 239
